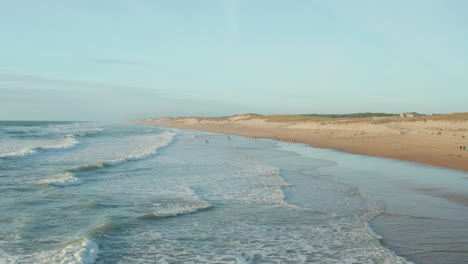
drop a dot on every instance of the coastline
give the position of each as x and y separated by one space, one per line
432 142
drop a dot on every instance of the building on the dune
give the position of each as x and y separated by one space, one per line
409 114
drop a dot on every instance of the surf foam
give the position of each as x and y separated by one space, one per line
67 142
182 210
163 140
80 251
192 203
62 180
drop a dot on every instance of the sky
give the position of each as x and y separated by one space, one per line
128 59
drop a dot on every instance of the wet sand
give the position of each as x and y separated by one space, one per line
433 142
425 215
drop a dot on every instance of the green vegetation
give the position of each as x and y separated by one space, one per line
292 118
324 117
444 117
375 118
355 115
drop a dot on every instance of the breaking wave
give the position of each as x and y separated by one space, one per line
147 152
62 180
178 210
67 142
79 251
192 203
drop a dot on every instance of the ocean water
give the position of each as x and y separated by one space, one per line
81 192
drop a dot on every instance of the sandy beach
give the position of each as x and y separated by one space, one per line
433 140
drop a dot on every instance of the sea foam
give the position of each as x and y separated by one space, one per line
192 203
79 251
62 180
66 142
164 139
179 210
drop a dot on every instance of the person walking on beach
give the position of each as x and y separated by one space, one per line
206 141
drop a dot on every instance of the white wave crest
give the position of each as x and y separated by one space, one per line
88 132
80 251
150 150
182 210
192 203
67 142
20 153
62 180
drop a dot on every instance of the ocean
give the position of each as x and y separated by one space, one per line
87 192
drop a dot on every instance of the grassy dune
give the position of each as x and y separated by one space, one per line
327 117
375 118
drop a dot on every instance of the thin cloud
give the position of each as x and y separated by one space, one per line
12 90
111 61
22 78
27 81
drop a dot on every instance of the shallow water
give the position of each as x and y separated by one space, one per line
118 193
425 215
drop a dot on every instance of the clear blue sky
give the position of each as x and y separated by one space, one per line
117 59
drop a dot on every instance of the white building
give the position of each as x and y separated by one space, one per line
409 114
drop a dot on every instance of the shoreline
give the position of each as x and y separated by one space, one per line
431 142
386 224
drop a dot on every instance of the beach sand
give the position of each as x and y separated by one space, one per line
433 141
